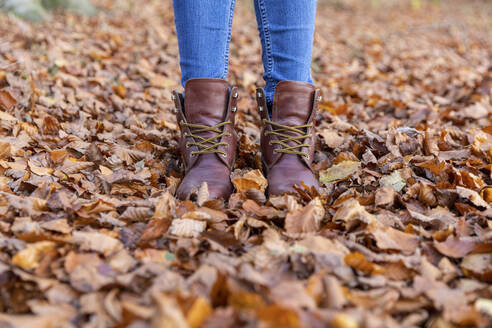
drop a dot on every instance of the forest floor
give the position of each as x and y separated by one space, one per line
400 235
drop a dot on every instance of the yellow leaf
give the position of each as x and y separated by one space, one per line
340 171
342 320
30 256
119 90
199 311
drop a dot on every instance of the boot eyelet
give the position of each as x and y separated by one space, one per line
224 155
320 98
234 109
235 95
260 108
187 145
173 97
259 95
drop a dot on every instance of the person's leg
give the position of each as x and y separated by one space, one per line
203 28
205 112
289 102
287 32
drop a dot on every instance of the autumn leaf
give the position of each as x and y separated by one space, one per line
394 180
358 261
30 257
91 233
306 219
340 171
187 227
7 101
250 180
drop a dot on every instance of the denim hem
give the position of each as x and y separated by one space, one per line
229 32
267 40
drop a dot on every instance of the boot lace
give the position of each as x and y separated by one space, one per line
207 145
284 138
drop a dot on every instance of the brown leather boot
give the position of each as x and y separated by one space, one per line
208 140
288 139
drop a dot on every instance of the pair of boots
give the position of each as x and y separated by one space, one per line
208 139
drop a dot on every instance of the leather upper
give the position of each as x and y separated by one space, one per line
207 102
294 104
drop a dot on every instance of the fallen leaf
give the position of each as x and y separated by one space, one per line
7 101
250 180
478 265
306 219
472 196
340 171
30 257
96 241
358 261
198 312
455 247
42 171
394 180
187 227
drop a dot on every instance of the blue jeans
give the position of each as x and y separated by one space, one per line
286 30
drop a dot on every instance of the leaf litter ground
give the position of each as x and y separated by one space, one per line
399 236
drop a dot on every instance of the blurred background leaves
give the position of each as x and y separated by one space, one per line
37 10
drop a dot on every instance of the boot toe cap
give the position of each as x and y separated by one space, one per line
219 184
282 179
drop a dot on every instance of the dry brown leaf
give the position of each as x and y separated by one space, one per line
7 101
203 194
155 229
51 126
277 316
187 227
260 211
472 196
352 213
478 265
455 247
388 238
136 214
42 171
358 261
96 241
250 180
165 207
57 225
332 138
58 156
4 150
306 219
385 196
